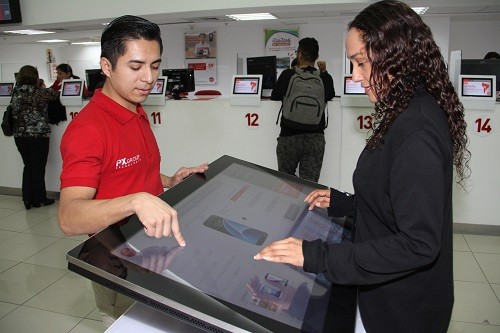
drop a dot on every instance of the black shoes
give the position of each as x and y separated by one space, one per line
45 202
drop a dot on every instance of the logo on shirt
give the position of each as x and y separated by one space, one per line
126 162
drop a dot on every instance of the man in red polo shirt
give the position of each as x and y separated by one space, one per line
111 161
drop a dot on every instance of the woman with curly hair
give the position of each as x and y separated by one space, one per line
401 256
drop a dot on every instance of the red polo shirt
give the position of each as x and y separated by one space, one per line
111 149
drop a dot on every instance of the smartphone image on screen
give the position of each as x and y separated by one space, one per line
236 229
270 291
276 279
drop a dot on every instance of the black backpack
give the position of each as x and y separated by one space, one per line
304 103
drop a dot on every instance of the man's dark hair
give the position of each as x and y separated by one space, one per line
492 55
309 48
123 29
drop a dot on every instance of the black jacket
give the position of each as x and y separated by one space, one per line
281 87
401 257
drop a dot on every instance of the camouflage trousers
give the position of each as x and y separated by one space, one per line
305 151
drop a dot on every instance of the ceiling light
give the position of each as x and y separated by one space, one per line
252 17
53 41
30 32
420 10
86 43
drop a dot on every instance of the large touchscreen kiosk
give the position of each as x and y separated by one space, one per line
226 217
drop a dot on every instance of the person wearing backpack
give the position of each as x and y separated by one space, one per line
304 92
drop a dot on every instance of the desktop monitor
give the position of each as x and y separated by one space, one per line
10 11
266 66
157 94
478 91
228 214
6 89
94 77
246 89
482 67
179 81
71 92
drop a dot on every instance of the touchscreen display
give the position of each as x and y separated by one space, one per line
6 89
158 87
352 88
72 88
477 87
226 219
246 85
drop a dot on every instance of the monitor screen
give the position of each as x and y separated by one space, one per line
352 88
246 85
477 87
266 66
71 88
179 80
94 77
6 89
227 215
158 88
10 11
481 67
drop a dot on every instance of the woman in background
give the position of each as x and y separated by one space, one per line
401 258
65 72
31 133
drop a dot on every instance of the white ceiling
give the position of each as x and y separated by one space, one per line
469 10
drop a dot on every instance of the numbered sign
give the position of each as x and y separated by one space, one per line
72 115
483 125
155 118
363 123
251 120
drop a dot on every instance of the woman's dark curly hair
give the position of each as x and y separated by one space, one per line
404 55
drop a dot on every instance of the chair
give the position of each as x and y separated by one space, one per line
207 92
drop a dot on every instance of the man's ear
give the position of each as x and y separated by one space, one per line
105 66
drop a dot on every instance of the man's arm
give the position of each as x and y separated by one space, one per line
281 86
79 213
181 174
328 84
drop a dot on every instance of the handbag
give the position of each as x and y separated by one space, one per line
7 122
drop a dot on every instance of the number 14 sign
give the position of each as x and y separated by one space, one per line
483 125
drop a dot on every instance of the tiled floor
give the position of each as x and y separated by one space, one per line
39 294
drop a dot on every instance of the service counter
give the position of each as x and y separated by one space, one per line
190 132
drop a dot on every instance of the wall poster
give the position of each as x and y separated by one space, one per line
201 55
282 43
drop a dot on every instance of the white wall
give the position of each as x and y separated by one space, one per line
249 39
475 38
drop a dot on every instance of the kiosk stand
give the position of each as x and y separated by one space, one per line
71 92
246 89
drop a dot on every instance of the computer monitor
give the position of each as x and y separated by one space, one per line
71 92
266 66
228 214
6 89
351 87
10 12
246 89
94 77
157 94
179 81
482 67
478 92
